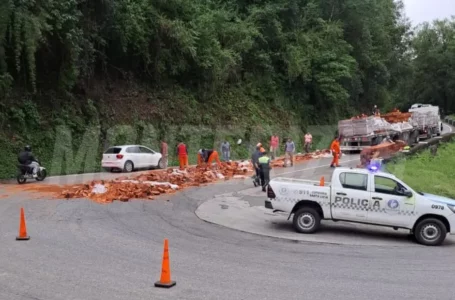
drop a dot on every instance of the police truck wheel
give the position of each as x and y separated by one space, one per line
306 220
430 232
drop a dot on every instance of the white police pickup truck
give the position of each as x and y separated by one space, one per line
363 196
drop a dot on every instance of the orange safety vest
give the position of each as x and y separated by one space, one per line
335 146
181 150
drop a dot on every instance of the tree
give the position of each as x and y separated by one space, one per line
434 63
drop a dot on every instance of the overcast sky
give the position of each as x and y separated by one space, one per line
419 11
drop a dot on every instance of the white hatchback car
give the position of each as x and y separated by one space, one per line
131 157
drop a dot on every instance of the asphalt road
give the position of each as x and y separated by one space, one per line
244 210
86 251
82 250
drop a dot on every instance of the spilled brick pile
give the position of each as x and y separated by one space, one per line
155 183
385 150
280 161
151 184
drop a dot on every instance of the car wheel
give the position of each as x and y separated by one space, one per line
161 164
128 167
306 220
430 232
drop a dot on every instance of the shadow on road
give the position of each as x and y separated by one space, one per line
350 231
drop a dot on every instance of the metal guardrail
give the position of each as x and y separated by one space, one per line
449 121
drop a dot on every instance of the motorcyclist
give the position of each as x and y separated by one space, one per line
27 158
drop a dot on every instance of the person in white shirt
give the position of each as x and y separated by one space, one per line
308 141
226 151
289 149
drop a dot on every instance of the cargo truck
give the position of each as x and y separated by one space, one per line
427 119
359 133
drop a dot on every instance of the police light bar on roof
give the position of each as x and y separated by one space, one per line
373 167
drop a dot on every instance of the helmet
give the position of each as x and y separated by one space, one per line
259 145
28 148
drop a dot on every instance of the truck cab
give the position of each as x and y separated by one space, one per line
364 196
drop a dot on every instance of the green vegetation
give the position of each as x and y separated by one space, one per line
427 173
71 70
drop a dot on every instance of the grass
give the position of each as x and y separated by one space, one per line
426 173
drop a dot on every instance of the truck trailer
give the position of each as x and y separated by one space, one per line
419 123
427 119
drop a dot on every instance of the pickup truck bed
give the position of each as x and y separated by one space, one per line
294 188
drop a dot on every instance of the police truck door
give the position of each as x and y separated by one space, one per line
350 197
388 204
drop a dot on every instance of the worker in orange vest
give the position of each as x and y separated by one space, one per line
335 148
206 156
182 153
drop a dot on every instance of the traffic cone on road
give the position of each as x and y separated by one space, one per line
322 182
165 280
22 228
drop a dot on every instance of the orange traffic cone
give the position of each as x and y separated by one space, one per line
22 228
165 280
322 182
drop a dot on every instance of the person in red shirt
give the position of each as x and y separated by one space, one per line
274 141
335 148
164 153
182 153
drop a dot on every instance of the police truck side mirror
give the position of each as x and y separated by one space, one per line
407 194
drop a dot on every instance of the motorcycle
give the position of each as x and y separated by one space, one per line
26 172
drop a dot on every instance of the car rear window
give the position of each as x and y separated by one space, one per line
113 150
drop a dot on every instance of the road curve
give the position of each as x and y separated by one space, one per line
82 250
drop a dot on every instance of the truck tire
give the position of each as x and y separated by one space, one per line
306 220
430 232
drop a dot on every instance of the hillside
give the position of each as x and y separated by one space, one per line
81 75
